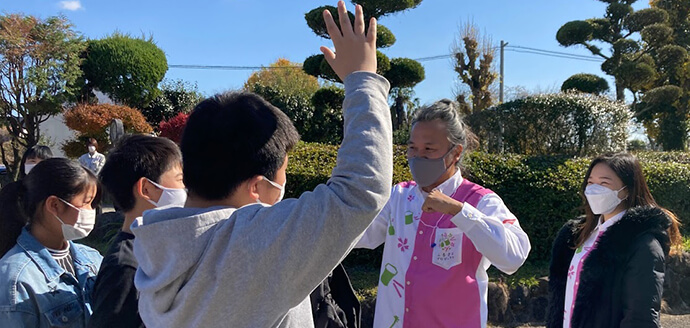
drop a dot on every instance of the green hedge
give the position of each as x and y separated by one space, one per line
541 191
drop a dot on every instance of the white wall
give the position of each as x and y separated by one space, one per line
57 132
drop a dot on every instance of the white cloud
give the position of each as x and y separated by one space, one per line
71 5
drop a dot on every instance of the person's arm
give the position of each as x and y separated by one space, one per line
115 302
21 313
18 318
293 245
375 235
643 283
100 163
492 228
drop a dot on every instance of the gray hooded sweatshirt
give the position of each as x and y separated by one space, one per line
256 266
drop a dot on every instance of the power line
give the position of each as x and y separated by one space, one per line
557 52
520 49
232 68
557 56
433 57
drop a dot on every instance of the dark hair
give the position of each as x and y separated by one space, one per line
19 201
230 138
38 151
132 158
92 142
627 167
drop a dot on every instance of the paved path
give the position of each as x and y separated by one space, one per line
667 321
675 321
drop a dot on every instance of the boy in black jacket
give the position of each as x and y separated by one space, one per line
141 173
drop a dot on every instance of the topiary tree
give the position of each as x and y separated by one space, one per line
587 83
615 29
39 68
664 106
91 121
403 73
175 97
127 69
655 65
328 116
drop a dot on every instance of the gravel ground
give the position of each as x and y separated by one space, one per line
667 321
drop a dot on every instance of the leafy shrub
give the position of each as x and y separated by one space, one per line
176 97
565 123
173 128
91 121
542 191
287 88
297 106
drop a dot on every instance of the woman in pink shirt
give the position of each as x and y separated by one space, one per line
607 269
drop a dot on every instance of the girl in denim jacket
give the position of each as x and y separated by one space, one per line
45 278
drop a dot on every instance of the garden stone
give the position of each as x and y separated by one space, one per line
497 302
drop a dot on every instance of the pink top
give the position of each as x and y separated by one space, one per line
434 266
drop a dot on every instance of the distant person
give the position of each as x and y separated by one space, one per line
441 233
33 156
607 268
236 255
141 173
92 160
45 278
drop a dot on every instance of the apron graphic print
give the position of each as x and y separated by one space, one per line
448 248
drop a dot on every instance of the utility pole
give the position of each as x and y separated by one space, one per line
501 129
503 46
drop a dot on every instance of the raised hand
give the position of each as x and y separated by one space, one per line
437 201
355 50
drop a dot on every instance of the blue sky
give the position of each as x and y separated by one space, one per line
255 33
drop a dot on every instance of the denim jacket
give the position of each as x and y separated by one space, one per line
36 292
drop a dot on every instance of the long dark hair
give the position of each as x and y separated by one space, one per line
38 151
20 201
627 167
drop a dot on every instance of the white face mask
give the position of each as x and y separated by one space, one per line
602 200
28 168
170 196
282 188
92 149
85 223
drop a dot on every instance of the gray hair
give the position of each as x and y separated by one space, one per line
445 110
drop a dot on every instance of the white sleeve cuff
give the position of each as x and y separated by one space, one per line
467 218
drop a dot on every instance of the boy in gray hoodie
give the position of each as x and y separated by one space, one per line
229 258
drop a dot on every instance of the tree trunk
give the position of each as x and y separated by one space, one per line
673 131
620 92
399 111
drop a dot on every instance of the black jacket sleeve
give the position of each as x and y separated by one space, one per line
561 255
115 301
643 282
